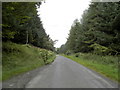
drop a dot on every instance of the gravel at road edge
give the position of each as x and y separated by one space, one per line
21 80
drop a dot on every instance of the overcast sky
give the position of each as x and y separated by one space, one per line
58 16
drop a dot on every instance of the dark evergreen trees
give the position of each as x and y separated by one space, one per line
98 30
21 24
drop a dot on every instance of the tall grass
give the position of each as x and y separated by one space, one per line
21 58
106 65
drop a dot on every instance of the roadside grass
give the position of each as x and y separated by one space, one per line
105 65
17 59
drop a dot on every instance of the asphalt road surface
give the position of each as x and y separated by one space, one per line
65 73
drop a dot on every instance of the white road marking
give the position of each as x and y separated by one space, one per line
11 85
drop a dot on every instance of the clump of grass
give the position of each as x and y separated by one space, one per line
106 65
21 58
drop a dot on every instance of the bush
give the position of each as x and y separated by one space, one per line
77 55
69 52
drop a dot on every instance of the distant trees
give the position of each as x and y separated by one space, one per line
62 49
21 24
98 30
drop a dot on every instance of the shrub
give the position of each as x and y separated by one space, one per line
69 52
77 55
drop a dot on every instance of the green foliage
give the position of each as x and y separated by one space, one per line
18 58
69 52
100 50
97 31
21 24
62 49
94 41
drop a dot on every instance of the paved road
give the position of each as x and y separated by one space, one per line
65 73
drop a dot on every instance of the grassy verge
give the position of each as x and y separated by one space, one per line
18 59
105 65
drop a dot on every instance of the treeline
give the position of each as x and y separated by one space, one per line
21 24
97 32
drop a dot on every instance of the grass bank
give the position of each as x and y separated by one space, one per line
17 59
105 65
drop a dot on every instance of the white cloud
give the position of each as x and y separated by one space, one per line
58 15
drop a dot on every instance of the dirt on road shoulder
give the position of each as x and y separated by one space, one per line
21 80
